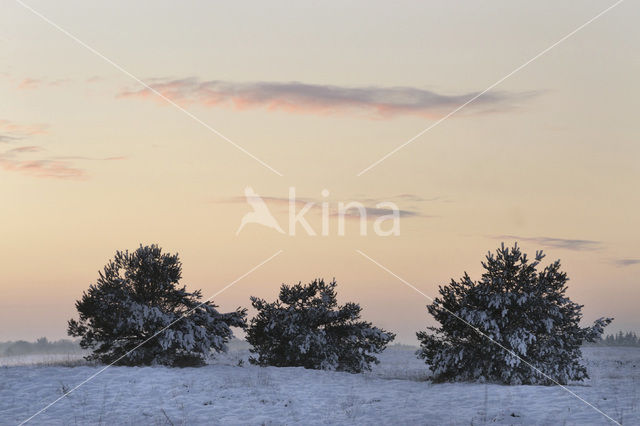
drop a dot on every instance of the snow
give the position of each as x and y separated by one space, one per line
397 391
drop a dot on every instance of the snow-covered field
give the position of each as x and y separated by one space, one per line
397 391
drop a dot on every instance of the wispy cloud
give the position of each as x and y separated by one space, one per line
374 212
20 159
296 97
21 149
407 198
84 158
11 131
43 168
51 167
417 198
35 83
5 138
626 262
29 83
563 243
371 212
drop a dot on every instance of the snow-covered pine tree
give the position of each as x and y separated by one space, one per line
521 308
307 328
136 295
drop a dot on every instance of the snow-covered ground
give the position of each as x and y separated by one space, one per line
397 391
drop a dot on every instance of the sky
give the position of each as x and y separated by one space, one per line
146 121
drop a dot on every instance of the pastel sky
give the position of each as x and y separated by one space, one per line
91 161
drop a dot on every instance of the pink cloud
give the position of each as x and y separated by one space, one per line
13 160
54 169
29 83
21 149
19 131
44 168
295 97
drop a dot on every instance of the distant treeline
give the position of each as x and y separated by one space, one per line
65 346
40 346
620 339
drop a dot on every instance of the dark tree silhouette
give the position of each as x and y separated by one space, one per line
521 308
307 328
137 295
620 339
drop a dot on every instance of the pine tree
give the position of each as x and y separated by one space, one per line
522 309
137 295
307 328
